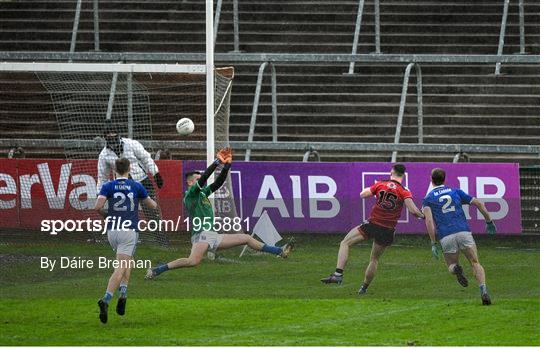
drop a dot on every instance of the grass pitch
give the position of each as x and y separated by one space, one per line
263 300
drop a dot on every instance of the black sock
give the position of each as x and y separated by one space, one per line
365 286
339 271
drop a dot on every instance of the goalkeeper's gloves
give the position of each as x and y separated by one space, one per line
159 180
229 155
490 228
224 155
436 250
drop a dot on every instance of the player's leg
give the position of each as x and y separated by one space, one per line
118 274
125 282
471 253
194 259
232 240
376 252
127 246
452 261
450 249
354 236
112 285
124 243
122 292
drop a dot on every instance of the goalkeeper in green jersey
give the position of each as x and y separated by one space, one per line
199 208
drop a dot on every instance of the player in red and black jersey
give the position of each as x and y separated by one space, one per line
391 196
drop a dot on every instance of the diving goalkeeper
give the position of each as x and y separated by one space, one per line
199 207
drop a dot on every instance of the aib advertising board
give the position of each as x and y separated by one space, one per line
299 197
325 197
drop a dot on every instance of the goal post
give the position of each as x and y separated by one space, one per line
142 101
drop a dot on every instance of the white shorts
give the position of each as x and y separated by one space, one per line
457 241
123 242
212 238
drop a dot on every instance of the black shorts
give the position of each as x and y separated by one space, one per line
383 236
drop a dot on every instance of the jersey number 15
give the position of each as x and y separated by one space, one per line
387 200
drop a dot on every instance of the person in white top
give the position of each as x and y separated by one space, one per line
141 164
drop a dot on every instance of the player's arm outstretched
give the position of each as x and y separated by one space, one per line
224 156
490 225
409 203
366 193
466 199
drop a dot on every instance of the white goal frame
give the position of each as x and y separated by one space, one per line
104 68
136 68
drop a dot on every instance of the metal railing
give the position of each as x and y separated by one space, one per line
236 30
96 25
358 27
236 33
530 199
288 146
232 57
256 99
357 31
413 61
217 16
376 4
95 10
502 33
76 22
403 101
75 30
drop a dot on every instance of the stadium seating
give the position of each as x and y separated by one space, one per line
316 102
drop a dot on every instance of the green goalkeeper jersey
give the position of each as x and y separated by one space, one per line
199 208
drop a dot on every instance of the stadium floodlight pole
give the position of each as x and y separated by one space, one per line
210 84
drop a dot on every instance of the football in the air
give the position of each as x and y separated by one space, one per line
185 126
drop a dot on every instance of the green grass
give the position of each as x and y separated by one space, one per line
262 300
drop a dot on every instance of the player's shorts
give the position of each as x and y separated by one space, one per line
123 242
457 241
383 236
212 238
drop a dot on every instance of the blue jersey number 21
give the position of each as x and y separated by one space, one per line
119 205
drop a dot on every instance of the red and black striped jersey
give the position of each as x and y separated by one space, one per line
390 196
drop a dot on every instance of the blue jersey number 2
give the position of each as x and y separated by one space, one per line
447 207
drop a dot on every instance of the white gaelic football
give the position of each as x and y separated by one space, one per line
185 126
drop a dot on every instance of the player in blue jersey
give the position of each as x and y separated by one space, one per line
444 214
122 220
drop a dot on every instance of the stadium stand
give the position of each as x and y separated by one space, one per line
316 102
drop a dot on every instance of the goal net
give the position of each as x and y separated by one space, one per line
141 102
